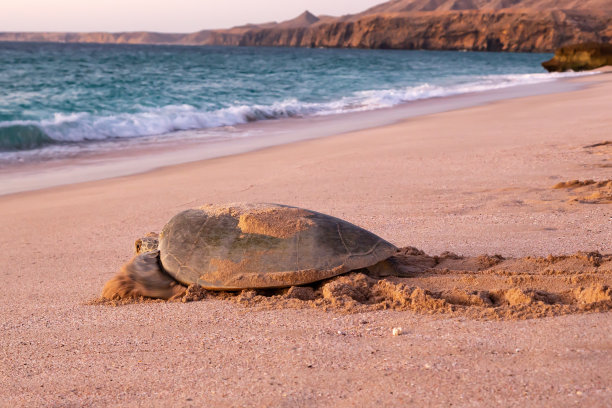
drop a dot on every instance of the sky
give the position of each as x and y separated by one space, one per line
179 16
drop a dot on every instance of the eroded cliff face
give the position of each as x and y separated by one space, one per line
477 25
466 30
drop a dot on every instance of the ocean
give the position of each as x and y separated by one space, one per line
63 99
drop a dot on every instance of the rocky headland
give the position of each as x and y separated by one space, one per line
580 57
475 25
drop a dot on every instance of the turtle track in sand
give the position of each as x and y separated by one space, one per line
482 287
604 151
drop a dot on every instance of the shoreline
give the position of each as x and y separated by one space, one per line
444 142
140 158
472 181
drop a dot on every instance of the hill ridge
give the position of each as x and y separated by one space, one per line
476 25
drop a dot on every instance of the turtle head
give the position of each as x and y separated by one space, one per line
148 243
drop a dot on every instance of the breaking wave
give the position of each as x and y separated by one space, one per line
81 127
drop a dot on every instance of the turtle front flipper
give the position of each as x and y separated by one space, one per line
143 277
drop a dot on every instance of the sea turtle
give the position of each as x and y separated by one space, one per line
247 246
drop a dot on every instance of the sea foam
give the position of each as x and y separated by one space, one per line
80 127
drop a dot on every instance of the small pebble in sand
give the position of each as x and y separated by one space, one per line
397 331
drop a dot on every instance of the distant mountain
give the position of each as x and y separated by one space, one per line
479 25
306 19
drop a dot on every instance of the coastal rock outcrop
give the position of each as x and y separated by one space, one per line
580 57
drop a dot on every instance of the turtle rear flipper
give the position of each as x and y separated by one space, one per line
143 277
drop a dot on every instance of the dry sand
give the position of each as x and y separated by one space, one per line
473 181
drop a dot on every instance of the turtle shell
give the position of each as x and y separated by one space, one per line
249 246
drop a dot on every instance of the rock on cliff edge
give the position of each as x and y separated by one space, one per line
580 57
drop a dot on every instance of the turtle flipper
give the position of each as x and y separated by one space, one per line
393 267
142 277
383 269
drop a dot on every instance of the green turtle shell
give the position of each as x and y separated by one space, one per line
252 246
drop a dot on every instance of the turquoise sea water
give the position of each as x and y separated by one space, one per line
67 95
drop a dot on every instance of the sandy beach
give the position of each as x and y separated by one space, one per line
472 181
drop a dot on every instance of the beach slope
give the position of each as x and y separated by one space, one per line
470 181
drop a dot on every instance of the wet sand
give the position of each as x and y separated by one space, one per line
127 157
473 181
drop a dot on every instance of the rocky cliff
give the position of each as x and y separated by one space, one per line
457 30
479 25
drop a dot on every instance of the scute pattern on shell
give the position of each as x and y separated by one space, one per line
242 246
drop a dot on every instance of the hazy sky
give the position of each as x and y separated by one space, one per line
159 15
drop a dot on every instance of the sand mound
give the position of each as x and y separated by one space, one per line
588 191
483 287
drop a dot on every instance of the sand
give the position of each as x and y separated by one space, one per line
483 287
588 191
471 181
